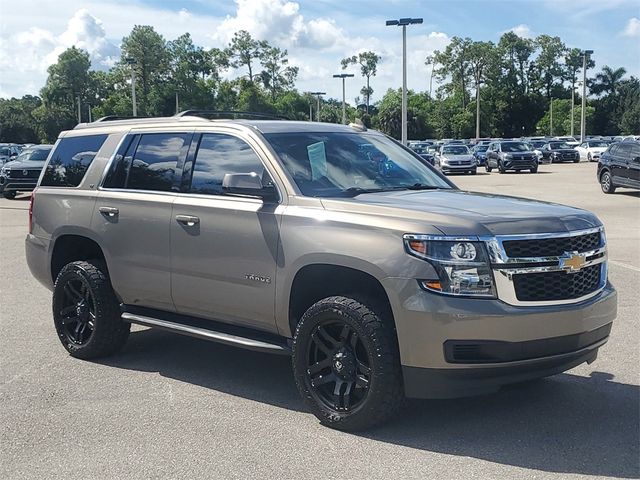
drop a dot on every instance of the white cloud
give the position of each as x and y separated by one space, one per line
633 28
522 30
25 55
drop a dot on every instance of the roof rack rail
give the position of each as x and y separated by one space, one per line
111 118
229 114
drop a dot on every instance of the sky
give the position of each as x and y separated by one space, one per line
316 33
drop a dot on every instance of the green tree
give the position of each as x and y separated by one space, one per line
550 72
368 62
454 65
608 80
147 52
244 50
277 76
17 123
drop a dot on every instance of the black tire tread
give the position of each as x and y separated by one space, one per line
110 332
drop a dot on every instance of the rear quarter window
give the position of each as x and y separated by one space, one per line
70 160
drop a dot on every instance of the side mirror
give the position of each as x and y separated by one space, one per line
247 184
13 156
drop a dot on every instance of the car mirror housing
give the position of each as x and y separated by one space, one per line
248 184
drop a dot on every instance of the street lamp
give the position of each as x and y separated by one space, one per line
403 22
583 113
317 94
344 108
132 61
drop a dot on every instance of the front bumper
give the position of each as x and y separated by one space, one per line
458 168
426 321
17 184
520 164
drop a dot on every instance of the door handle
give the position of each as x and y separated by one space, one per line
188 220
109 211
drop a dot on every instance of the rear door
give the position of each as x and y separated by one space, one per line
132 216
620 163
224 249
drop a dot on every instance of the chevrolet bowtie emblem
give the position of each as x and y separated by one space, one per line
572 262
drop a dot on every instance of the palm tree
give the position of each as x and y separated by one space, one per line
608 81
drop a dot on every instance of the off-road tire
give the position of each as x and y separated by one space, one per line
385 394
109 333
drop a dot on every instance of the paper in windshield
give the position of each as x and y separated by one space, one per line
317 160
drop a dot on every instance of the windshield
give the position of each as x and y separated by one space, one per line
515 147
537 144
455 150
598 144
34 155
558 146
482 148
5 152
347 164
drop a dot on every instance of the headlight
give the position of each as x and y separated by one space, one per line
5 171
461 265
444 160
508 156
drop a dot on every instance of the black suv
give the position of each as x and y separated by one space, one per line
619 166
511 155
21 175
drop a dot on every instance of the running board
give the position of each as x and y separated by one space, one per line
260 345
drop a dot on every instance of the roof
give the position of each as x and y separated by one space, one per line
263 126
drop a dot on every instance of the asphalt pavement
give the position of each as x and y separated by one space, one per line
176 407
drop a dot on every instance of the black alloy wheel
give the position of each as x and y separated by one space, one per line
338 366
77 311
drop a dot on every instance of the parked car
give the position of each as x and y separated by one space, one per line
8 152
479 152
454 157
380 280
511 155
556 152
425 154
21 174
572 142
591 149
619 166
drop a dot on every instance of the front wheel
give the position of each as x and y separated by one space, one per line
346 364
488 168
606 182
86 312
9 195
501 168
589 157
474 171
534 170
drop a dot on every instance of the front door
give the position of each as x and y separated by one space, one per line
224 249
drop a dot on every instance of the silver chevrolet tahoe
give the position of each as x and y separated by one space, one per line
333 244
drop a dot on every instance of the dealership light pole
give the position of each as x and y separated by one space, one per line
317 94
403 22
551 118
343 76
583 113
132 62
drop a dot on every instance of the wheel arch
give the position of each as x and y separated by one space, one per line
318 280
71 246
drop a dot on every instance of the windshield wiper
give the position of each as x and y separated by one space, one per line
421 186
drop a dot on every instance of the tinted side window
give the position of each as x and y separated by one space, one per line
156 159
623 150
71 159
218 155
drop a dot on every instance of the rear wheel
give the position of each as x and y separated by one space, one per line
86 313
606 182
346 364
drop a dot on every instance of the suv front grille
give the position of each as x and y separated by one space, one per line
18 173
551 247
558 285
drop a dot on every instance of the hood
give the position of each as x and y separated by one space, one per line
456 212
24 165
